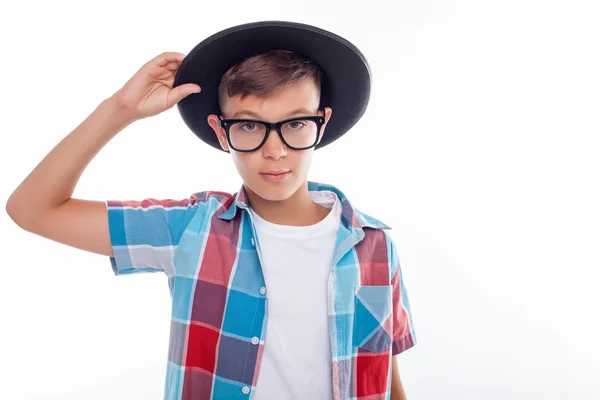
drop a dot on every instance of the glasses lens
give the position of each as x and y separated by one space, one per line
300 133
246 135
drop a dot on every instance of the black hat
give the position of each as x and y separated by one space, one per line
345 88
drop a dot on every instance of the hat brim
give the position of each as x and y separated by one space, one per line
345 88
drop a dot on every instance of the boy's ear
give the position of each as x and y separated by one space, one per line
328 112
213 121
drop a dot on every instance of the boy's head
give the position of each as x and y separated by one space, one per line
272 86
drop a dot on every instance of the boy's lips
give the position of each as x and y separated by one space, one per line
279 172
276 176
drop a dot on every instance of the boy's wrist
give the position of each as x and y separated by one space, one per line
121 111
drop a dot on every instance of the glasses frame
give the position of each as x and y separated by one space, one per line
226 124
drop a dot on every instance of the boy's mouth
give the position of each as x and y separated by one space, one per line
275 176
279 172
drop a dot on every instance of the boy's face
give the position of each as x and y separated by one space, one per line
274 155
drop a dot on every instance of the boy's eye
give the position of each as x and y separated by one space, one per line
248 126
295 124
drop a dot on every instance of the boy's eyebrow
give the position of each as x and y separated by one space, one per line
252 114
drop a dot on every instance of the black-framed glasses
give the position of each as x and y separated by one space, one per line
298 133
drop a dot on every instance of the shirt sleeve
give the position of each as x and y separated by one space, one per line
144 234
404 336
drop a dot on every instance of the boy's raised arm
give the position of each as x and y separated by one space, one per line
42 203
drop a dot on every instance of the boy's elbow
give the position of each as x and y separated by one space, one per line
18 216
10 209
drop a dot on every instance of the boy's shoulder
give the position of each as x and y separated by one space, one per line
214 195
358 217
370 221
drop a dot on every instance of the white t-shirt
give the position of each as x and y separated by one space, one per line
296 262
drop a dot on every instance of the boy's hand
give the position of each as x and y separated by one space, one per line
150 91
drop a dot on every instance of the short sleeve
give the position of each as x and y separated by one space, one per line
404 336
144 234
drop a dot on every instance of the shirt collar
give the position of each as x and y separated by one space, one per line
352 219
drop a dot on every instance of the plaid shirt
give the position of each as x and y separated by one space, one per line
207 246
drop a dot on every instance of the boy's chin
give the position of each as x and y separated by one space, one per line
274 191
275 194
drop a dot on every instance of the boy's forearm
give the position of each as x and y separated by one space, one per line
53 180
397 389
397 392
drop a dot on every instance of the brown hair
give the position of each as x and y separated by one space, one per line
267 72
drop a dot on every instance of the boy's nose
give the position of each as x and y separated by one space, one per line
274 146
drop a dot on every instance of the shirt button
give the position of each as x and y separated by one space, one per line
252 241
263 290
245 390
254 340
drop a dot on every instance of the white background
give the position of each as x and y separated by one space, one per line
479 148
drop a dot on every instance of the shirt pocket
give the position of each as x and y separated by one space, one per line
372 326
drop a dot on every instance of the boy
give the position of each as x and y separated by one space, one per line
284 277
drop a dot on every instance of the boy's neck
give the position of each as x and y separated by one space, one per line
298 210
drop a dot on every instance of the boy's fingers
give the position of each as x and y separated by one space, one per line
167 57
172 66
181 92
